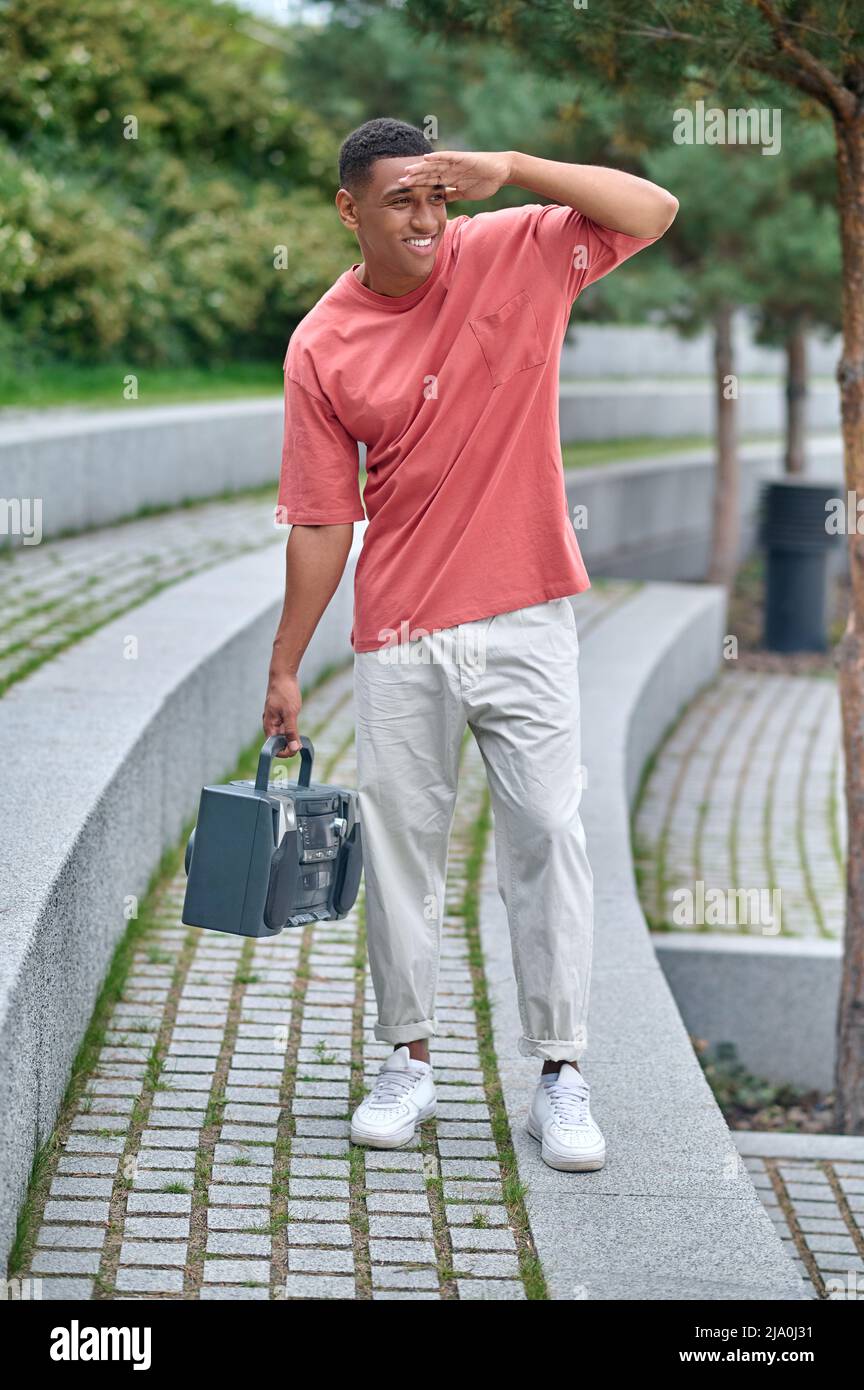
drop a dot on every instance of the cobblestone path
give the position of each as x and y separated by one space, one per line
208 1154
817 1206
747 794
54 593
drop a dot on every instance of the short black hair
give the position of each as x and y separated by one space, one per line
381 138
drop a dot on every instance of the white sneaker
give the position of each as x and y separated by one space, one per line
403 1096
560 1117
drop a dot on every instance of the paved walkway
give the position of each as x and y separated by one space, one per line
55 593
812 1187
747 793
207 1155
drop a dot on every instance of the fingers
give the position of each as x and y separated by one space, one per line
293 747
424 179
279 724
430 168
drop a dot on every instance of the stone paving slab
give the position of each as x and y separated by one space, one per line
809 1185
747 794
53 593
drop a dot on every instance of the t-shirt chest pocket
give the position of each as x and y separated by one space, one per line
509 338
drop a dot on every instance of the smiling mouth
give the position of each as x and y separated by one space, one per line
424 243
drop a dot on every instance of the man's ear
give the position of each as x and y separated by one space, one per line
347 209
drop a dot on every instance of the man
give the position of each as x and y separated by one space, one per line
440 352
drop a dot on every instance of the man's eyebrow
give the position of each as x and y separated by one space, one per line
408 188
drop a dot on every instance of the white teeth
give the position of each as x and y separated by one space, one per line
419 241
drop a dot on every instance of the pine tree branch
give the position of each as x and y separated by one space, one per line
835 94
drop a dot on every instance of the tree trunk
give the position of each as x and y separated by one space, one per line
725 532
849 1074
796 398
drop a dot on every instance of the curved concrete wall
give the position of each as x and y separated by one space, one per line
630 410
89 468
622 350
775 999
651 518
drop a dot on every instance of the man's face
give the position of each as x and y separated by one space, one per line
399 227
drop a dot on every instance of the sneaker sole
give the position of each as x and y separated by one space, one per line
399 1138
566 1165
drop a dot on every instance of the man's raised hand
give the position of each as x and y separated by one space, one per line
465 173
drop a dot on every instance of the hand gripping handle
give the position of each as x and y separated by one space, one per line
275 744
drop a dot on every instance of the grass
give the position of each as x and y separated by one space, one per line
102 387
87 1057
513 1188
590 453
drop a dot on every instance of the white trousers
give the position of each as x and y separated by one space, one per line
514 679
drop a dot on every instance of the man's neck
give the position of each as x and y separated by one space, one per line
363 276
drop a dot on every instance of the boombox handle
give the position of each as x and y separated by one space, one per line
275 744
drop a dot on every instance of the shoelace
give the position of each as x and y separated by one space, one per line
391 1086
569 1106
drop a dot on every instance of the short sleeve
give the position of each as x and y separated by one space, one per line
319 483
575 249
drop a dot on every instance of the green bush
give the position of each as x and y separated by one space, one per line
162 248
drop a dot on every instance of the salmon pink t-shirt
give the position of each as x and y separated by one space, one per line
453 388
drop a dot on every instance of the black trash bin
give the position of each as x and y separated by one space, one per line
793 532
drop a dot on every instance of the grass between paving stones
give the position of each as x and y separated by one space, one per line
158 917
279 1216
768 816
854 1227
750 1101
740 790
513 1188
42 1169
803 809
808 1257
149 920
643 853
787 1207
260 492
428 1134
358 1216
212 1128
137 593
832 810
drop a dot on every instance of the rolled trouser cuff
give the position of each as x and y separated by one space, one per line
553 1049
406 1032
